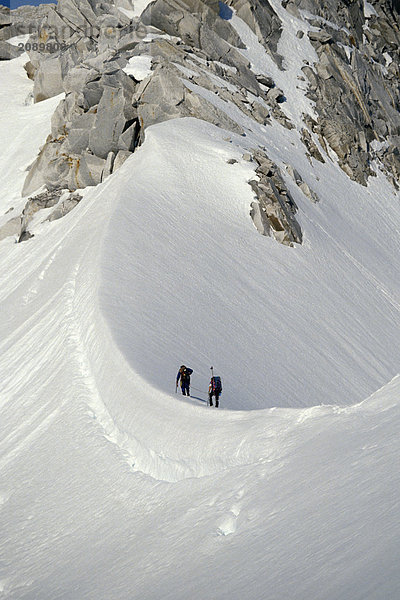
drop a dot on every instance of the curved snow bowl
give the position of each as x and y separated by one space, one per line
187 279
278 491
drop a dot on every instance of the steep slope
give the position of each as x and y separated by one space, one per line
111 485
189 280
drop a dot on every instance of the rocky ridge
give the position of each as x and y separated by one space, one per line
83 50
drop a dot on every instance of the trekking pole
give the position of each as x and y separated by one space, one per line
208 396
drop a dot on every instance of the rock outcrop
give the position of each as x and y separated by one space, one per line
273 212
83 49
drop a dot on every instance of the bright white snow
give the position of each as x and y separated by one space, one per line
139 67
113 487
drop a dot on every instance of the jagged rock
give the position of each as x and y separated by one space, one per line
305 188
353 89
85 170
274 210
200 108
322 37
120 158
80 15
8 51
25 235
50 169
196 23
276 213
30 70
105 112
164 96
92 93
390 158
44 200
22 20
77 77
260 113
260 218
128 138
276 95
263 21
48 81
40 171
265 80
77 140
311 145
64 207
108 167
114 111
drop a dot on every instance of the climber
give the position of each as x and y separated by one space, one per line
215 389
184 374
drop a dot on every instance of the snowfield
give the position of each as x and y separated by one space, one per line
113 487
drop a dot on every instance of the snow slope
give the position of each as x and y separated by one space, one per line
113 487
187 278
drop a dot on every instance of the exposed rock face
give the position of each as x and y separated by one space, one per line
262 19
22 20
64 207
63 203
8 51
105 111
354 84
274 210
82 49
43 200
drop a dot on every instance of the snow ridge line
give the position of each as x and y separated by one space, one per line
276 437
139 457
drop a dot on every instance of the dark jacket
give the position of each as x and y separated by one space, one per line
184 375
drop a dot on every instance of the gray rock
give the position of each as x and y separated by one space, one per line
44 200
79 14
25 236
260 113
114 109
196 23
263 21
108 167
64 207
128 138
8 51
307 191
48 80
11 227
273 212
322 37
86 170
265 80
22 20
276 95
312 146
76 78
121 157
92 93
259 215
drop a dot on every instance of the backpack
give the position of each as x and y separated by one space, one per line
216 385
